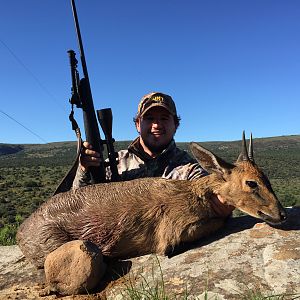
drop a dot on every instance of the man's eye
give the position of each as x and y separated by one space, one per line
251 184
148 118
166 117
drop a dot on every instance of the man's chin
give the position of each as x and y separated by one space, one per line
157 147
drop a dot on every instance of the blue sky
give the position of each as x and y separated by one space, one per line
229 65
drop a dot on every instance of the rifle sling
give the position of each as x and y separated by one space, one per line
67 182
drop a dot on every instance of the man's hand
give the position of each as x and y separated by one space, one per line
88 157
220 208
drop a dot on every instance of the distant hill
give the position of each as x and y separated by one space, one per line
29 173
278 155
9 149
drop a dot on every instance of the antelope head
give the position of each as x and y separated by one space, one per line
242 184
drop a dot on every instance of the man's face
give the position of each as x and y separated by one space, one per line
156 128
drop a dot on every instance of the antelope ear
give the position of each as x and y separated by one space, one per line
209 161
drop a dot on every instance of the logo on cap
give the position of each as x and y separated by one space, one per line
158 99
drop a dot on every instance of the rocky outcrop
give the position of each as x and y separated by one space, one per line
246 255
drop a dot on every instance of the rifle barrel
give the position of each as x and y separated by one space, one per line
82 56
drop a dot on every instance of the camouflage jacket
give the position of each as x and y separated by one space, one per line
172 163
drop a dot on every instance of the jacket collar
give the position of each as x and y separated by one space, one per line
136 148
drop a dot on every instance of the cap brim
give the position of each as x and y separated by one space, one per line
157 105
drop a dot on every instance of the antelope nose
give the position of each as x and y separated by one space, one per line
283 215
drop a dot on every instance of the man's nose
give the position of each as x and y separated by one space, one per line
156 122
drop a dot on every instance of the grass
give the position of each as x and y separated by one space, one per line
156 291
149 289
138 287
8 234
257 295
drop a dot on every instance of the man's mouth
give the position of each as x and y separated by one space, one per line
157 133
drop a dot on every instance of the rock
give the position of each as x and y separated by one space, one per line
74 268
246 255
18 277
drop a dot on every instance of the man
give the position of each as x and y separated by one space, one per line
154 152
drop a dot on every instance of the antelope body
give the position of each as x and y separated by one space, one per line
149 215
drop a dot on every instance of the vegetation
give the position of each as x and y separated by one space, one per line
154 287
29 173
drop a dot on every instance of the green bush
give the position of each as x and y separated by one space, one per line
30 184
8 234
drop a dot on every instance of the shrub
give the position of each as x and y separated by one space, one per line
30 184
8 235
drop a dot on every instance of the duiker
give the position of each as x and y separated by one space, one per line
150 215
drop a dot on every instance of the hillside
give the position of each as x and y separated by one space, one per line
29 173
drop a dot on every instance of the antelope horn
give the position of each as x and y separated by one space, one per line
244 154
250 152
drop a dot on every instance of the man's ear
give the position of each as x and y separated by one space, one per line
138 125
209 161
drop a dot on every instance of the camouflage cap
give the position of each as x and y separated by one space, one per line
155 99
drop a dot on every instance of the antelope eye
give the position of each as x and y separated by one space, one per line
251 184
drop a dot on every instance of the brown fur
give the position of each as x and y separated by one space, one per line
149 215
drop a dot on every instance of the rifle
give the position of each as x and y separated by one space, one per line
82 98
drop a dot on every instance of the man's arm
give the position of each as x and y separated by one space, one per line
217 203
219 207
192 171
81 179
